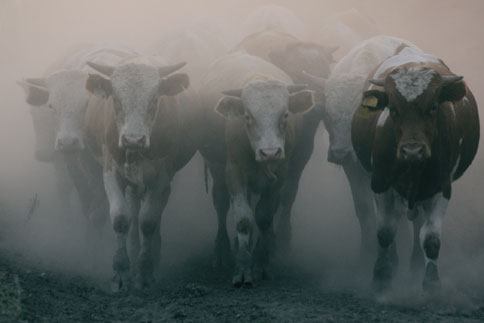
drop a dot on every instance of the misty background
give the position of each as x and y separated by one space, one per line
34 34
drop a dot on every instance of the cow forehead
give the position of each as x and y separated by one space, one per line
67 89
263 98
412 82
134 84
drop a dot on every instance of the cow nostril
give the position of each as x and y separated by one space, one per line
413 152
269 154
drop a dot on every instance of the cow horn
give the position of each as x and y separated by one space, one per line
235 92
36 81
296 88
379 82
103 69
318 80
166 70
446 80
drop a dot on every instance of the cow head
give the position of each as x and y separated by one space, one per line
299 56
65 94
265 107
136 90
412 98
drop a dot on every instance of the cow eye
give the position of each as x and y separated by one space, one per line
286 115
248 119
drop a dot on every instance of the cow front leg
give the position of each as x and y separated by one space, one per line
120 219
264 215
430 234
133 203
390 207
363 201
244 222
221 202
152 207
417 258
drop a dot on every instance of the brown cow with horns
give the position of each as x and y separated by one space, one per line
417 131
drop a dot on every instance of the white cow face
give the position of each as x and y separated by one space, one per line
265 108
65 94
136 90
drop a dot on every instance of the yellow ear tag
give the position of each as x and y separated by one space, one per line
370 101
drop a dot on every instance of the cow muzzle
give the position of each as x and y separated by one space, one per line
413 152
269 154
133 141
68 144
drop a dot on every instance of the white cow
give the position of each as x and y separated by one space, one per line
343 93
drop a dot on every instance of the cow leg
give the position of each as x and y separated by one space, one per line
221 202
417 259
299 159
264 215
121 220
244 220
152 207
133 204
363 201
430 235
390 207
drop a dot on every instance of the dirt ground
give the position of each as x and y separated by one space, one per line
194 292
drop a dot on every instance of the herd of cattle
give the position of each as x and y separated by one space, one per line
120 125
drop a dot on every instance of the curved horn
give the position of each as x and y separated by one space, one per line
235 92
318 80
103 69
36 81
296 88
166 70
446 80
379 82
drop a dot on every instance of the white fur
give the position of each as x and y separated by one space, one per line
383 117
264 95
412 82
410 54
345 86
434 210
135 86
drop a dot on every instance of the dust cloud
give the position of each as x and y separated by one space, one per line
33 34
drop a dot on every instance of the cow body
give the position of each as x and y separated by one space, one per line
134 126
416 131
341 95
293 56
248 152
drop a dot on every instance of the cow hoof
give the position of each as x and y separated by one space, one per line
120 282
223 255
144 282
243 280
237 280
431 283
382 277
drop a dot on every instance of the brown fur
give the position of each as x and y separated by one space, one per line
377 147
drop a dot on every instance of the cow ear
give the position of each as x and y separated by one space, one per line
99 86
375 100
174 84
453 92
301 102
230 107
35 95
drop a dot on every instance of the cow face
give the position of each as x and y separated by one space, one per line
413 97
265 107
64 93
298 57
135 90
